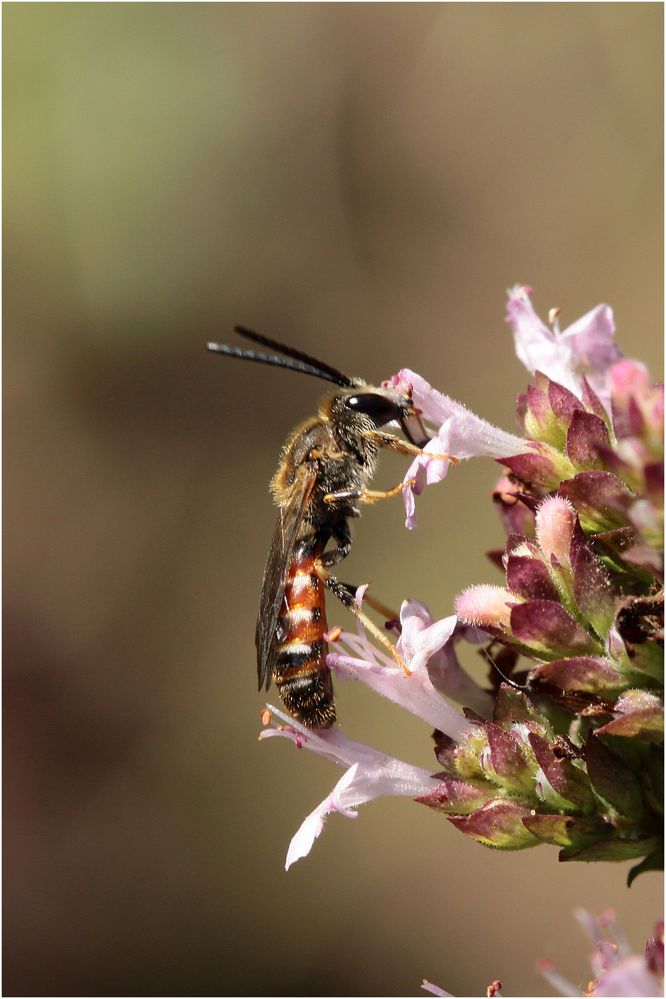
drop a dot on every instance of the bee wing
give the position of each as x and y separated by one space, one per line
275 571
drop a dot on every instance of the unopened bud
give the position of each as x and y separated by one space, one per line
485 606
555 520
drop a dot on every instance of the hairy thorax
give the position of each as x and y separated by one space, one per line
342 462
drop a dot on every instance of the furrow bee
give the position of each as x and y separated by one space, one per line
321 482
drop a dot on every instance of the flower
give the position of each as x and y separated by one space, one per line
586 347
616 971
579 361
428 648
459 432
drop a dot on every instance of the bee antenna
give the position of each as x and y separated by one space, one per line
333 374
279 362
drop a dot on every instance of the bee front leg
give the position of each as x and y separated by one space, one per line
382 439
366 495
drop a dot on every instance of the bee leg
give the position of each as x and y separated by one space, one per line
374 496
386 612
402 447
346 597
366 495
345 594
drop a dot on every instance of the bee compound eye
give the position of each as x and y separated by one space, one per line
380 409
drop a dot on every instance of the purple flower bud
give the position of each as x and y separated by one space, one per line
592 590
529 578
510 766
456 796
588 674
640 715
654 950
542 466
544 625
513 707
587 438
601 499
564 830
567 786
498 823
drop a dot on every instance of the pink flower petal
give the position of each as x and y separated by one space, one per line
421 640
460 433
586 347
434 990
415 692
370 774
592 340
313 825
616 970
422 637
631 977
469 436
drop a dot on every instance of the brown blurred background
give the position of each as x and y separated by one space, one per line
364 180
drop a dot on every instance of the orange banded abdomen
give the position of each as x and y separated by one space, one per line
300 671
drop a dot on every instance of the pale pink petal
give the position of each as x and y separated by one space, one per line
585 348
451 679
426 469
460 433
434 990
415 691
469 436
422 637
557 981
409 494
629 378
313 825
371 774
536 345
629 977
427 648
592 340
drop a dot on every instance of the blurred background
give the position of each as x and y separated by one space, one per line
364 181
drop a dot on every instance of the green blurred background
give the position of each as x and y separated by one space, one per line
363 180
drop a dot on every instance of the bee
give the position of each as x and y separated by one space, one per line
321 482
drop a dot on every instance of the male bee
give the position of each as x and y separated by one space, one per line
321 482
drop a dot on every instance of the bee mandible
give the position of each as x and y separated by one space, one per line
321 482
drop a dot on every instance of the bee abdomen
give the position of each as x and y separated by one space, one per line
300 671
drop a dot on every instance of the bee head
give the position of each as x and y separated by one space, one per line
367 407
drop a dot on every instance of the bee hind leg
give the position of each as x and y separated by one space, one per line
386 612
346 594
